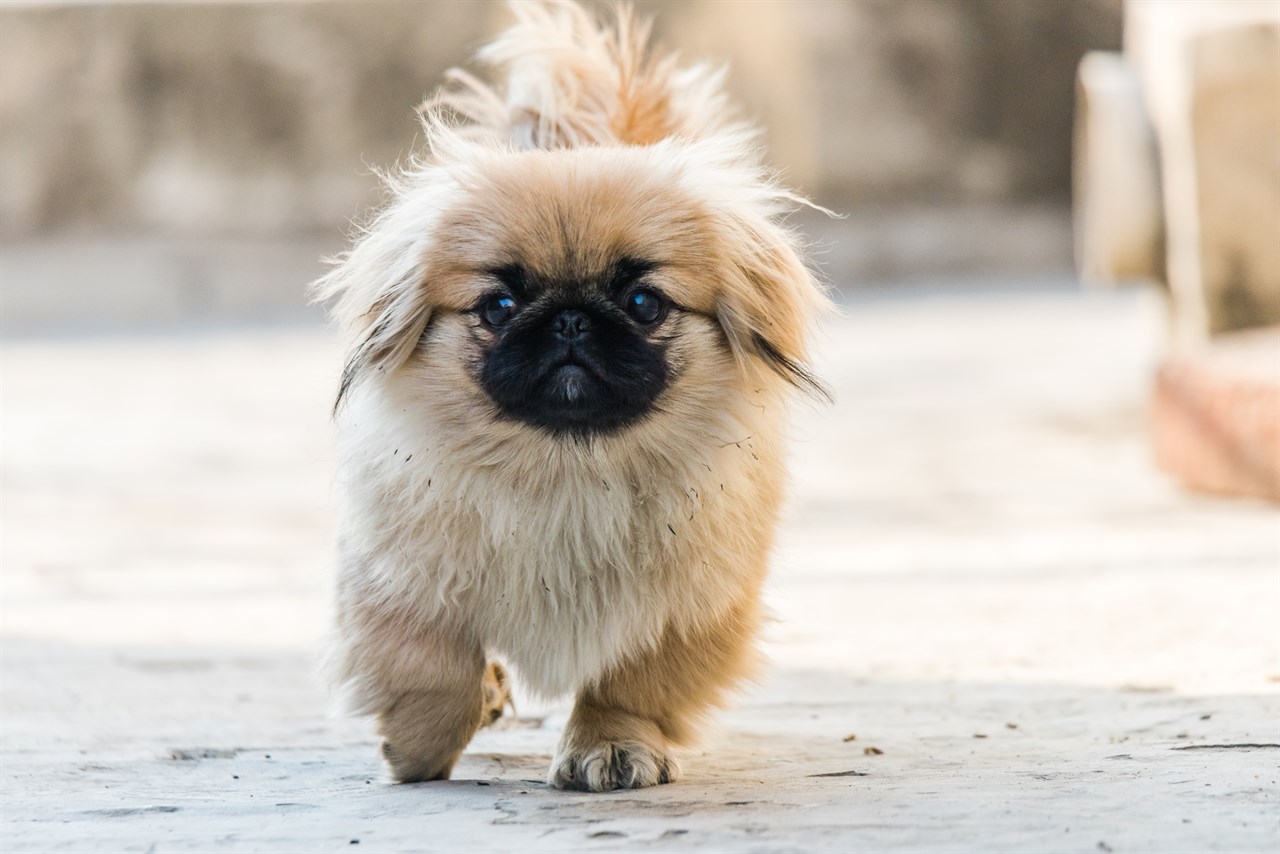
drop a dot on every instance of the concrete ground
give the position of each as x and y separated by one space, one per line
998 628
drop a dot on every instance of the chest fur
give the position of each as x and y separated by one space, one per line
562 575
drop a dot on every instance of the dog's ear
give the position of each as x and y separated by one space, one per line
398 322
378 293
768 301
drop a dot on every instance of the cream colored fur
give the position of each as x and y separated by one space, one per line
627 566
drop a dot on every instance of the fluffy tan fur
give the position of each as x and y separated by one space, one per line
626 566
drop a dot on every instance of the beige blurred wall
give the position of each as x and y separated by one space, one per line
261 118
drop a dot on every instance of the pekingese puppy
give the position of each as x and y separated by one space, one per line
573 333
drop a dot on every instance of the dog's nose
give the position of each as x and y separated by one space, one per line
570 324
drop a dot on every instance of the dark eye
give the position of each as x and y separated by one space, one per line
645 306
498 309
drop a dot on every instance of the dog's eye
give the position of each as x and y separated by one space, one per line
498 309
645 306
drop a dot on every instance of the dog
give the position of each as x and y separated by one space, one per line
574 331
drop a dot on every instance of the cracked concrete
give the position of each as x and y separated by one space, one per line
998 627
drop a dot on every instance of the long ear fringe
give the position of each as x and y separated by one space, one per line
376 291
775 297
799 375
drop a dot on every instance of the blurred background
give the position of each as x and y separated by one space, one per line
201 156
1043 501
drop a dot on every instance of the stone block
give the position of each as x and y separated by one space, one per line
1118 222
1210 82
1235 127
1215 420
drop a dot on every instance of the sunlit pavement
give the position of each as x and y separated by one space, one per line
998 627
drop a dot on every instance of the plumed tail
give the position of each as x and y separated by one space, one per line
562 80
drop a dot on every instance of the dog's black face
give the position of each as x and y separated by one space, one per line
577 356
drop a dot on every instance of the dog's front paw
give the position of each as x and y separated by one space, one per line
606 766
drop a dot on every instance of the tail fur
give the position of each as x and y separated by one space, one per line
562 80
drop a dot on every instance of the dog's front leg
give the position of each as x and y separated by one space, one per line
625 725
425 683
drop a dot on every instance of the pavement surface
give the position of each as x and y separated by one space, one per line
998 627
